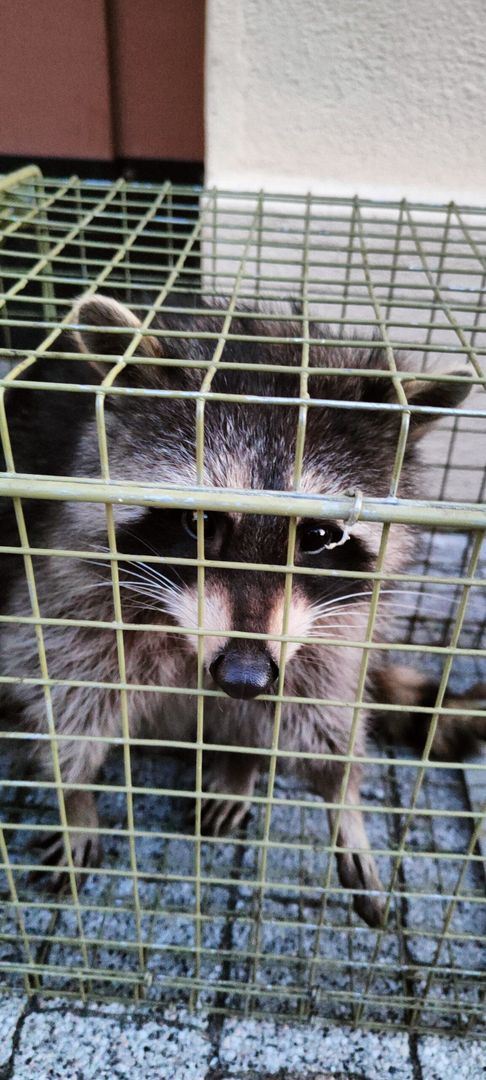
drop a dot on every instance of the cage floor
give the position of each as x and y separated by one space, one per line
166 923
277 950
110 1042
389 970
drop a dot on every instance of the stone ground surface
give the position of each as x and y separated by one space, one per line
57 1041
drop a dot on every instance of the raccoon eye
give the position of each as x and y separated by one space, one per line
316 538
189 522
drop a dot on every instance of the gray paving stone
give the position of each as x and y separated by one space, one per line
452 1059
289 929
312 1049
104 1044
288 1076
11 1008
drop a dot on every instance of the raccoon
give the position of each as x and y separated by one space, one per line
246 446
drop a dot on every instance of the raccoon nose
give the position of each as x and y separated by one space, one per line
244 676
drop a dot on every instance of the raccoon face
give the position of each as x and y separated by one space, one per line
252 446
244 600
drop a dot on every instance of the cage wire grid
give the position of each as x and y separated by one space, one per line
256 922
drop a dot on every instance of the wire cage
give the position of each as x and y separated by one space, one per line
254 922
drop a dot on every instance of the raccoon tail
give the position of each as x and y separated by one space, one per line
456 736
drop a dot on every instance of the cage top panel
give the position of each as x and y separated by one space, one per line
409 275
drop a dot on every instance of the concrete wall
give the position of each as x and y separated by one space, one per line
345 96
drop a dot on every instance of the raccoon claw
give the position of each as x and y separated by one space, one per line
86 852
371 909
222 816
234 782
358 872
219 816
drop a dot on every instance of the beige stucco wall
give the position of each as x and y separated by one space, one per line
343 96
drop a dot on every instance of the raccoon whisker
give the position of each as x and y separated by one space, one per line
391 605
321 605
150 547
339 600
143 606
155 580
148 594
139 540
144 590
148 571
328 619
150 607
335 609
325 625
334 601
328 609
138 565
319 632
321 626
140 592
413 592
94 585
147 568
162 586
105 564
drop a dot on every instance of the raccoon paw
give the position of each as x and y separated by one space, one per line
357 871
222 816
86 851
230 775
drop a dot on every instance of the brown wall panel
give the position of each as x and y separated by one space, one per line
158 65
54 79
102 79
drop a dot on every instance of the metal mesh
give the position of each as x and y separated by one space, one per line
257 922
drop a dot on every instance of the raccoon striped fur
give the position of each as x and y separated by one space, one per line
246 446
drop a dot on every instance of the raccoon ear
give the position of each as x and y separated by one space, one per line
99 316
434 394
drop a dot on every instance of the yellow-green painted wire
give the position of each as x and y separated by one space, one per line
100 403
434 720
10 378
360 706
50 253
437 292
365 320
291 541
130 199
200 416
21 525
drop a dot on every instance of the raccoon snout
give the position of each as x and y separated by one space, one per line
244 675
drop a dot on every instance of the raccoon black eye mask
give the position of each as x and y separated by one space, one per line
313 537
153 439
